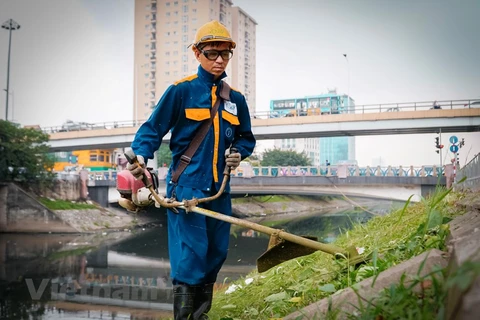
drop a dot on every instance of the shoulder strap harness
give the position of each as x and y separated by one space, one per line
201 133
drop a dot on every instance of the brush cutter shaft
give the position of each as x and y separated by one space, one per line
328 248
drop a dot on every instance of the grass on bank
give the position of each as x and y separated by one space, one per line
389 240
65 205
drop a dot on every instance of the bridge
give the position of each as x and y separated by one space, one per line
393 119
392 183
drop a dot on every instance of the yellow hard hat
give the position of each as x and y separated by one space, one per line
211 32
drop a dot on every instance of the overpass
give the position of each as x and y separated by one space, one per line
411 119
398 188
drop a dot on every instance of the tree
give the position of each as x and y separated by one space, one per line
277 157
24 154
164 155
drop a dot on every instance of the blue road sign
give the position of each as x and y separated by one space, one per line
453 140
454 148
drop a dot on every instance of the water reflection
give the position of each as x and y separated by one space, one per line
125 274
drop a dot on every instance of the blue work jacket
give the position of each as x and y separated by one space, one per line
181 110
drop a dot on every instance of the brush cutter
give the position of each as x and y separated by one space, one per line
282 246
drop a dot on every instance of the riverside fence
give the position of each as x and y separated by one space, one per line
471 173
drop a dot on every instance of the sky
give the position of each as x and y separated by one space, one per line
74 60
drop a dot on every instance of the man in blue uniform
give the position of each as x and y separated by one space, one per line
197 244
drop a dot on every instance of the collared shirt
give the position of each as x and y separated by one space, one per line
181 110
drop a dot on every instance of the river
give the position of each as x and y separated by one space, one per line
124 275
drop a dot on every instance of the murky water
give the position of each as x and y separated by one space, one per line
125 275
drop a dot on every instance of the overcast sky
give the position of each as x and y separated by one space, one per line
73 59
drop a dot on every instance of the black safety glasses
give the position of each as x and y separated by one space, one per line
212 55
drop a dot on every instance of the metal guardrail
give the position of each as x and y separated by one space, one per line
329 171
471 171
358 109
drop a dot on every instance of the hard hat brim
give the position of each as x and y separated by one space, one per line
207 39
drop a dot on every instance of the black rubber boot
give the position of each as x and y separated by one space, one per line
183 301
192 302
203 302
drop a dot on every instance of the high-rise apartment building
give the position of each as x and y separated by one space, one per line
164 29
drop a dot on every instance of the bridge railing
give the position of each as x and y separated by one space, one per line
285 171
393 107
358 109
471 171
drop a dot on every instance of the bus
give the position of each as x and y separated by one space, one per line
92 160
328 103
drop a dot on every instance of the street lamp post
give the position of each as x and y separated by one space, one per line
348 84
9 25
12 93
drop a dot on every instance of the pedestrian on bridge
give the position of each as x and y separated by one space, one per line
198 245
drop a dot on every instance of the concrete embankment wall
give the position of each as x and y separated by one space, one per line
20 212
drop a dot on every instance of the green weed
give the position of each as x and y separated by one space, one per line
388 240
65 205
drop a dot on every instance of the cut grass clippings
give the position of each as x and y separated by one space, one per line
388 240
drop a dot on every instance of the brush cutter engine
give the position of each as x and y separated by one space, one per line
134 195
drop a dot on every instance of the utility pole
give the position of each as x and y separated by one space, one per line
439 145
348 84
9 25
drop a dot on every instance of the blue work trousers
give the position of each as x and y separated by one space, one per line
197 244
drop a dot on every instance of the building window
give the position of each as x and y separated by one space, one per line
175 73
184 38
167 53
175 53
194 10
185 28
167 14
167 73
185 8
167 4
184 19
175 3
184 58
167 33
185 68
